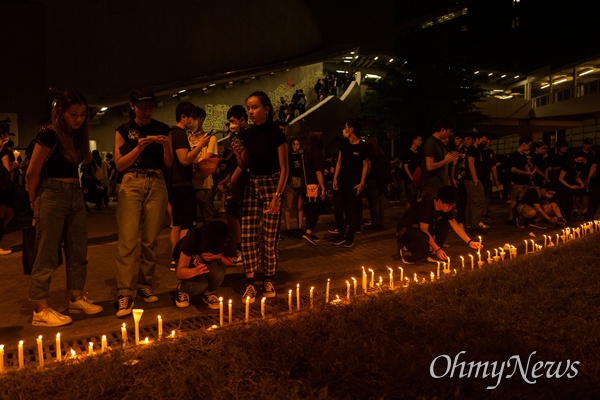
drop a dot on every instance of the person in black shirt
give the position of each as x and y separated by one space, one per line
537 205
292 193
569 182
422 231
474 188
520 174
538 160
411 159
313 174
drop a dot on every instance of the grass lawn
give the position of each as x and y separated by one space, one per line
524 329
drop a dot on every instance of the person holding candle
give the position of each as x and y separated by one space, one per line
56 198
206 252
534 205
422 232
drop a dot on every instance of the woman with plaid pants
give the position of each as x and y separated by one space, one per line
263 150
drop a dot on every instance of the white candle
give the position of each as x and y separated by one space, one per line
364 280
372 284
525 246
489 259
448 264
40 351
173 334
103 349
496 250
21 359
355 283
438 270
58 354
137 315
90 349
230 312
545 239
462 261
401 275
312 289
160 326
502 253
472 261
220 311
416 278
532 246
247 308
327 292
479 255
298 297
381 281
124 334
479 241
290 300
1 358
432 276
348 291
262 307
391 278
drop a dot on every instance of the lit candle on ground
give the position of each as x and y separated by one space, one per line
290 300
462 261
472 261
124 334
72 353
298 297
58 354
416 278
40 351
479 241
160 327
348 290
496 258
438 270
391 278
327 292
372 284
221 317
532 246
364 280
147 340
312 289
90 349
401 275
496 250
525 246
103 348
448 265
381 281
137 315
230 312
545 241
21 359
355 283
479 255
262 307
502 253
432 276
489 259
1 358
247 308
173 334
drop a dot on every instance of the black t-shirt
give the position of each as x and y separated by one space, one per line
473 151
181 175
540 163
262 143
424 212
570 173
152 156
56 166
412 159
313 162
438 177
352 162
197 242
295 164
519 161
489 160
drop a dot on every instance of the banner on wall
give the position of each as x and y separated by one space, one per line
11 122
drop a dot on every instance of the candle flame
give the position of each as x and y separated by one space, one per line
173 332
73 353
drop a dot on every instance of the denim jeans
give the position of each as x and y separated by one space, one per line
142 205
60 215
205 282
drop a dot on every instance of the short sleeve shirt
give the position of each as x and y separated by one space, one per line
352 155
439 177
313 162
476 154
412 159
519 161
262 144
424 212
152 156
181 175
57 166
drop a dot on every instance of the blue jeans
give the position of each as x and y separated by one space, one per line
59 214
205 282
142 204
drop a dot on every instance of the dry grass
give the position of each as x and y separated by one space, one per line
378 348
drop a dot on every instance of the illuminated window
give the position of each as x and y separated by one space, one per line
426 24
516 2
444 18
515 22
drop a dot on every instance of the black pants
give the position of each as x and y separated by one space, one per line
313 209
417 241
347 208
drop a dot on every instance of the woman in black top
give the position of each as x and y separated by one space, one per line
313 170
292 195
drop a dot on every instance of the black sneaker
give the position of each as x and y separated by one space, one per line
268 289
124 305
308 238
183 299
347 244
315 238
212 301
147 295
406 256
338 241
249 294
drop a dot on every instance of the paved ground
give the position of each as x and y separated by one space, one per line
300 263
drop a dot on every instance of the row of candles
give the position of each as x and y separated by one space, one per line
568 234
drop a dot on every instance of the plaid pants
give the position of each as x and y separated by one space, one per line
260 231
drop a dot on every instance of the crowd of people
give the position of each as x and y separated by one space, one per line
448 180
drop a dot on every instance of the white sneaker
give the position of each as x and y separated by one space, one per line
5 252
85 306
482 226
50 317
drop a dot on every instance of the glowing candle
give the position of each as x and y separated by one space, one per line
230 312
416 278
462 261
448 265
262 307
347 290
247 308
312 289
496 250
90 349
372 284
381 281
502 253
124 334
355 283
220 312
479 241
147 340
327 292
137 315
545 239
489 259
432 276
1 358
73 354
525 246
290 300
472 261
40 351
58 355
391 278
438 270
401 275
364 280
479 255
173 334
103 348
21 360
160 327
298 297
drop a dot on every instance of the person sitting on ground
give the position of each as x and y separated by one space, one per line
422 232
204 254
535 205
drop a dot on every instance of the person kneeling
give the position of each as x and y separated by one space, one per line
206 252
535 205
422 231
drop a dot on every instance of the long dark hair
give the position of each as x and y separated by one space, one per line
265 101
74 146
315 141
